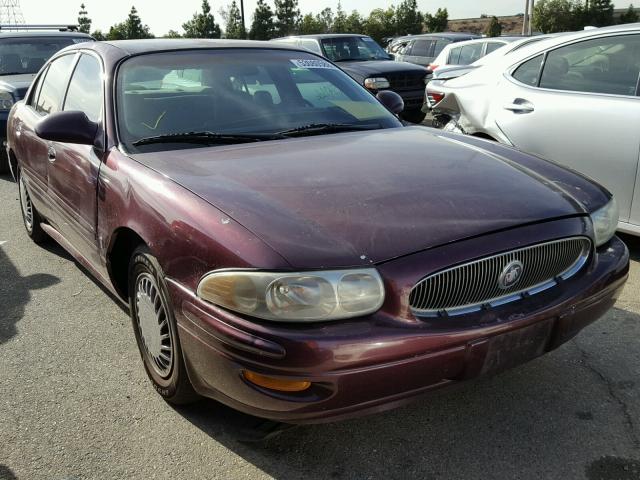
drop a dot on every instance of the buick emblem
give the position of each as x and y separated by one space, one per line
511 274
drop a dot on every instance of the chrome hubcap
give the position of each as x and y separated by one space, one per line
27 208
151 315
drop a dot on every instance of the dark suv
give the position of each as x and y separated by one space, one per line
22 54
366 62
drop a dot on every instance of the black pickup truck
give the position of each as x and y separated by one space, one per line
366 62
22 54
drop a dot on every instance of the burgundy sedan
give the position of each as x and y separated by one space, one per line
285 245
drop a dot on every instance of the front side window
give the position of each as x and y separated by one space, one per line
439 46
54 85
529 72
28 55
237 92
311 45
85 88
340 49
602 65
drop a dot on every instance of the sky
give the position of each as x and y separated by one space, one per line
165 15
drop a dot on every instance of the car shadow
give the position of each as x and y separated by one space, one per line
633 244
6 177
486 418
6 473
15 293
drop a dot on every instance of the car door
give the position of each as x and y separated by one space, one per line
577 104
73 168
44 98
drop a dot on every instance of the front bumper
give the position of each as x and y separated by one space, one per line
372 364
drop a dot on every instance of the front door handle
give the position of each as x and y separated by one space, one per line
51 154
520 105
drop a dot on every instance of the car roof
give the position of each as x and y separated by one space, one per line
136 47
43 33
319 36
445 35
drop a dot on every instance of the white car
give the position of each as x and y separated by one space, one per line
573 99
469 51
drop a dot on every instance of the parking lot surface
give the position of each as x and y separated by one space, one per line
75 402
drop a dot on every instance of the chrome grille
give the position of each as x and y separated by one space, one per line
474 285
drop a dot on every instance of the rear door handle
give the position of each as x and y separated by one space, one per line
51 154
520 105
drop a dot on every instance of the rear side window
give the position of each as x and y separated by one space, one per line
602 65
421 48
470 53
439 46
311 45
529 71
54 85
493 46
85 88
454 56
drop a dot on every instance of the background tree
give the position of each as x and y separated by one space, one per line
172 34
262 26
234 28
131 28
287 17
340 20
84 22
99 36
310 25
202 25
409 20
380 24
326 18
600 13
551 16
437 22
630 16
355 23
494 28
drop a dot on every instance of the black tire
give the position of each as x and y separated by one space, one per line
148 302
413 116
30 216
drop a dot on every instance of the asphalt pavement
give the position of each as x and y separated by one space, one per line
75 402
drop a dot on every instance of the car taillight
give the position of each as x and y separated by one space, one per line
433 66
435 97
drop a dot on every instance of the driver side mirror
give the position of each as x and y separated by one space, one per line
391 100
392 56
68 127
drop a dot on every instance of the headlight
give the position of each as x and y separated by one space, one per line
376 83
6 101
299 296
605 222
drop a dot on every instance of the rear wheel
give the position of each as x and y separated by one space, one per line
155 329
413 116
30 216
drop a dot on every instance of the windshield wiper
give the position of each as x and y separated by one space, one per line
318 128
208 138
13 73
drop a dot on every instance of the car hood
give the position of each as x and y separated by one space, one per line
17 84
364 197
380 67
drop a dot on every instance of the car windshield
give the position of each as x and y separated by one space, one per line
340 49
28 54
183 99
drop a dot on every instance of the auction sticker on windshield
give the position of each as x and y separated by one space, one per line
312 63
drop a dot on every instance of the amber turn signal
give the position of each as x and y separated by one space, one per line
276 383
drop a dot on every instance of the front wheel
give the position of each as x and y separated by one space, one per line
413 116
155 329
